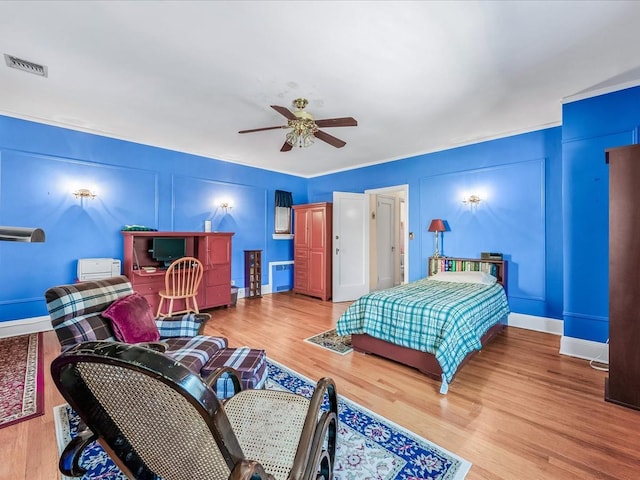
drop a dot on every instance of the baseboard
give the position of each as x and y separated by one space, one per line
24 326
570 346
539 324
264 290
585 349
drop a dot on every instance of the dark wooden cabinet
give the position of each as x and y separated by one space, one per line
252 273
623 385
312 249
212 249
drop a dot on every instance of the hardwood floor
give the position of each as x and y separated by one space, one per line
518 410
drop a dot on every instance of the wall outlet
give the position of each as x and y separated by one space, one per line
233 283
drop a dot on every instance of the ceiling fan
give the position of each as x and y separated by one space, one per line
304 128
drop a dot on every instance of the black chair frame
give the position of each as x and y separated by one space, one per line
315 452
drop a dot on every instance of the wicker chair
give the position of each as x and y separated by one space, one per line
156 418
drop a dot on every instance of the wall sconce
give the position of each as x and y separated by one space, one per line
84 193
472 201
226 206
437 226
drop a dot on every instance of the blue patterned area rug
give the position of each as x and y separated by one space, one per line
369 446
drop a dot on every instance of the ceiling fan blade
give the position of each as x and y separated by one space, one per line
286 147
284 111
330 139
337 122
261 129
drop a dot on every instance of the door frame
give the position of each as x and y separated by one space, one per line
387 254
395 189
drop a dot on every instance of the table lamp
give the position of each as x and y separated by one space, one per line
437 226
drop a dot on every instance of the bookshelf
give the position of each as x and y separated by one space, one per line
497 268
252 273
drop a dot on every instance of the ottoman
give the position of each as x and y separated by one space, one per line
250 363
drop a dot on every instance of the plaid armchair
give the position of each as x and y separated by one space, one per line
76 316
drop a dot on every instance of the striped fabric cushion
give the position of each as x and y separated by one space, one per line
194 352
250 363
75 309
181 325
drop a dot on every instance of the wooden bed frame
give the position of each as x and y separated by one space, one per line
426 362
423 361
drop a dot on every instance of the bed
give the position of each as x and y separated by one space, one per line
434 324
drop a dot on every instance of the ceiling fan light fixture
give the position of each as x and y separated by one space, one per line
300 103
304 129
302 132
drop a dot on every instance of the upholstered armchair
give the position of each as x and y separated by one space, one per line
109 310
157 419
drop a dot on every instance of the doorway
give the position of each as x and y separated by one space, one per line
385 243
383 237
394 225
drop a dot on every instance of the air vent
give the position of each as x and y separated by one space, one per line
25 65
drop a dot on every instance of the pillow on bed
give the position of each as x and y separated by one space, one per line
464 277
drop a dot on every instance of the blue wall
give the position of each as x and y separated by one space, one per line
519 180
589 127
41 165
545 206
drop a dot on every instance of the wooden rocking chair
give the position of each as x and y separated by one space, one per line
156 418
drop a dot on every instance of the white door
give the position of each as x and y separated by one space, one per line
385 241
350 246
401 194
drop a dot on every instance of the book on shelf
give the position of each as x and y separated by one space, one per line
442 264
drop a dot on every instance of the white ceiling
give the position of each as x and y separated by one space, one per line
418 76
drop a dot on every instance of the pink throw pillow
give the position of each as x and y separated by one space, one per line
132 320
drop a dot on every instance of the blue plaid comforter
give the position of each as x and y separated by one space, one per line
443 318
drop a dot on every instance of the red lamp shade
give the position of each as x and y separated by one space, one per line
436 225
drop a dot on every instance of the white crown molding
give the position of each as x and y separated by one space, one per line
596 92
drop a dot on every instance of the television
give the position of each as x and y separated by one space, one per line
168 249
